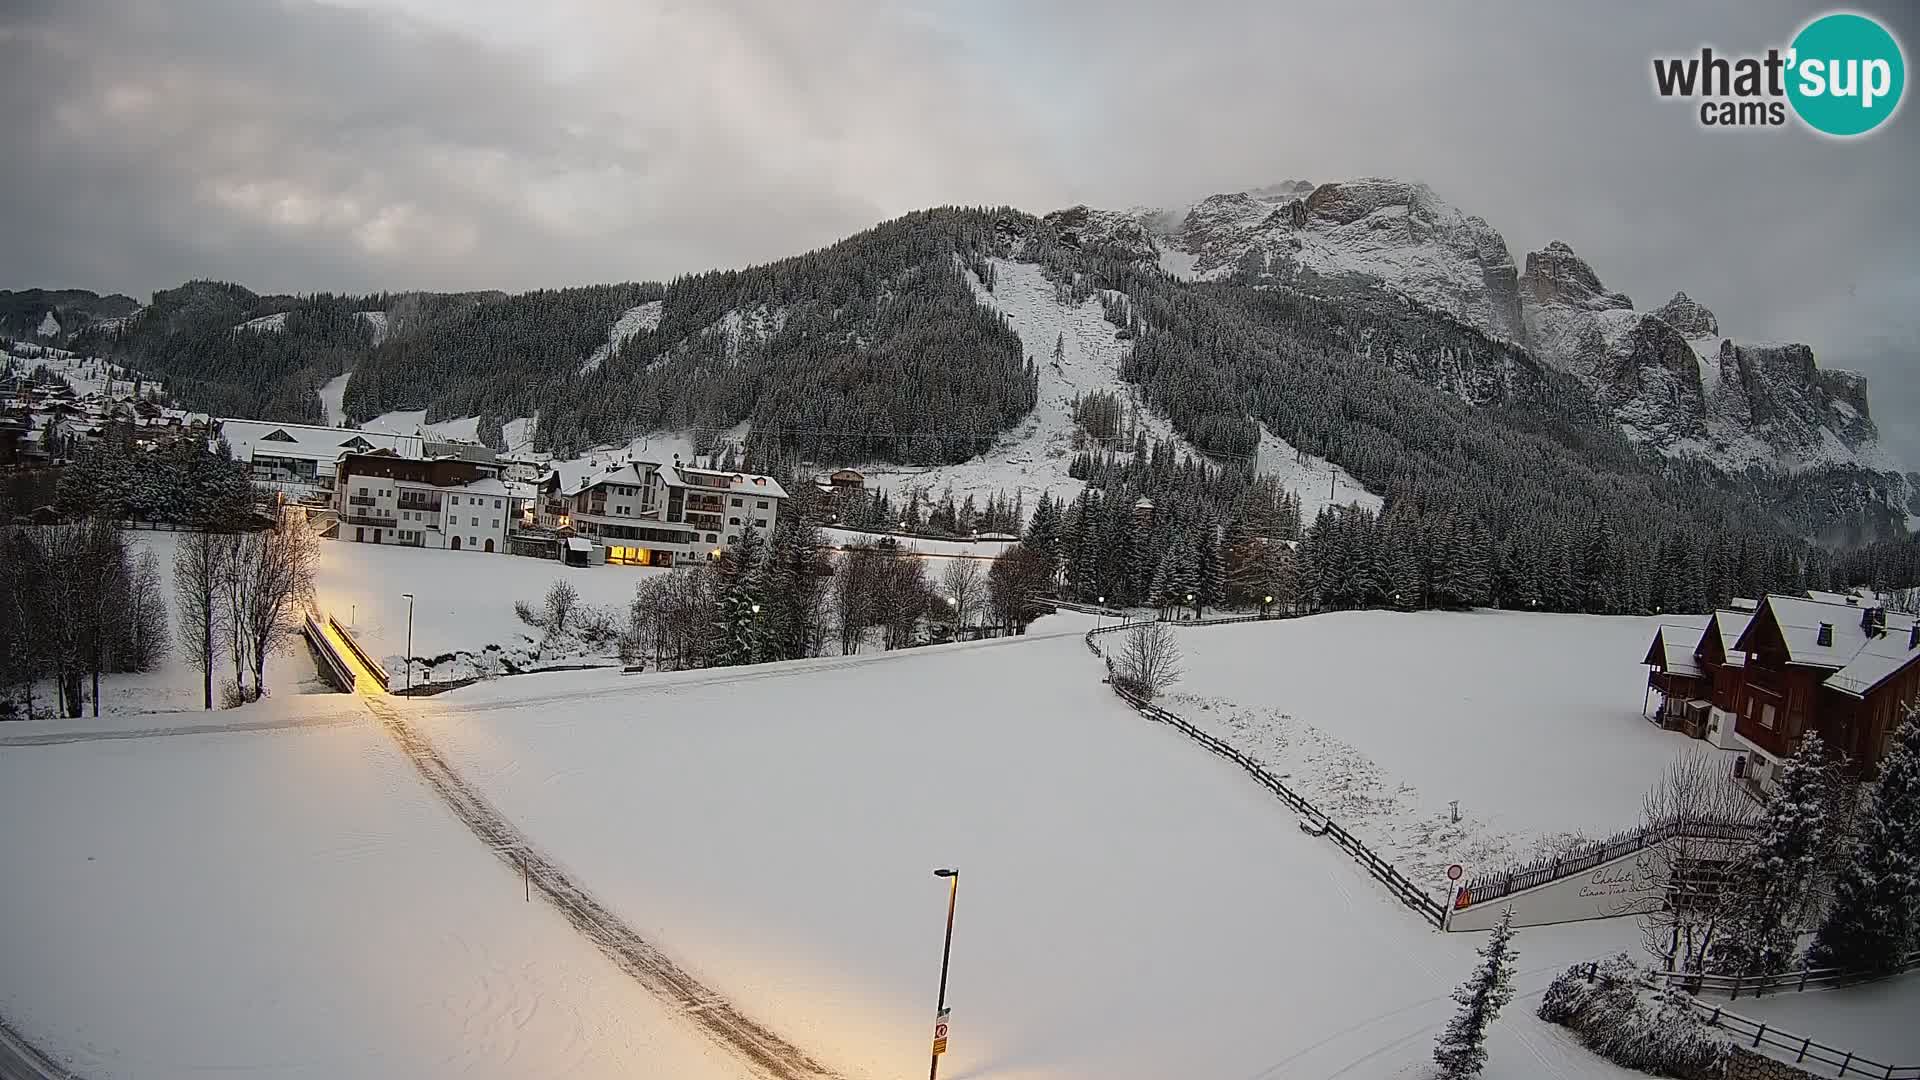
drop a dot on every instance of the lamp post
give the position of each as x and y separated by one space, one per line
1196 611
409 597
1265 603
946 953
1102 616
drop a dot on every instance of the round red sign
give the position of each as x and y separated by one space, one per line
1454 872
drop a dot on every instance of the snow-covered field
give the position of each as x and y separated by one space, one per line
1129 905
1381 719
292 904
1874 1020
333 395
463 600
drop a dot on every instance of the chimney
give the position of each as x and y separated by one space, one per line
1825 636
1873 620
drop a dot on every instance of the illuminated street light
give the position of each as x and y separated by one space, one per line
409 597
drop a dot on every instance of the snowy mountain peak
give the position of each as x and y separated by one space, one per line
1555 275
1688 316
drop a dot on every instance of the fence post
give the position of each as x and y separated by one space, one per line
1735 996
1804 972
1714 1020
1758 1034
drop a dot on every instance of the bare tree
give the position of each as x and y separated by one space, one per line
902 598
1150 659
1700 803
562 599
146 640
1019 577
965 587
856 580
280 564
199 575
105 579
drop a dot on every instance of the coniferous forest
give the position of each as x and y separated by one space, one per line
1503 482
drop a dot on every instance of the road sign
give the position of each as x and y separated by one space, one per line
1454 872
940 1032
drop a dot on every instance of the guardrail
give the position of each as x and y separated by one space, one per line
1784 982
1403 890
342 675
373 666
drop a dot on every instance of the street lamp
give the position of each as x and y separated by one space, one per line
409 597
946 953
1265 603
1101 618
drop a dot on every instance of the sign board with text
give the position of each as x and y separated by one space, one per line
940 1032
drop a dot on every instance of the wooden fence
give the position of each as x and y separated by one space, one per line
1397 884
1493 886
1785 982
1756 1034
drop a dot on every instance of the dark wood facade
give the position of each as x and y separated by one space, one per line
1782 697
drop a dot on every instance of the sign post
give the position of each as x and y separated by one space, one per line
1454 873
940 1032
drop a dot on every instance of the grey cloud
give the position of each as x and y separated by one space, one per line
482 143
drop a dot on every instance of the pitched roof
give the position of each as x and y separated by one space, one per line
1727 626
309 441
1673 646
1858 660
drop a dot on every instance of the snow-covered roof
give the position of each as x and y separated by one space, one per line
1800 620
716 480
579 543
1731 624
309 441
486 485
1882 657
1677 643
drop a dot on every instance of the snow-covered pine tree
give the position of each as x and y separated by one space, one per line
1043 533
1871 923
1461 1051
1770 895
737 591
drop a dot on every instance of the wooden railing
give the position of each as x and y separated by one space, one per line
1313 820
1487 887
1785 982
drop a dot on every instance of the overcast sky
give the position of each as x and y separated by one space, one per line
443 144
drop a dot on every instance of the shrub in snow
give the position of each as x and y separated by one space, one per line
562 599
1462 1049
1631 1024
1874 919
1149 661
527 615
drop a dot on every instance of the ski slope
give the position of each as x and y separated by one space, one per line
1034 456
635 319
293 904
1531 721
333 397
1129 905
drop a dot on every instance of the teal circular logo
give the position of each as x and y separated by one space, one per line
1847 74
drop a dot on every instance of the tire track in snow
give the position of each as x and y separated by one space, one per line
707 1011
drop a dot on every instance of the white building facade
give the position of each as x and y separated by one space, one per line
643 513
440 503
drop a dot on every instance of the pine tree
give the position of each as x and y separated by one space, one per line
1043 534
1871 922
738 594
1770 892
1462 1048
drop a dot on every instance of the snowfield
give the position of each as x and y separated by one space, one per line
1382 718
293 904
333 396
463 600
635 319
1130 906
1874 1020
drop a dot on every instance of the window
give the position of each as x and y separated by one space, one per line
363 491
475 522
454 499
496 504
736 502
1766 717
710 539
761 505
496 523
471 541
733 521
759 523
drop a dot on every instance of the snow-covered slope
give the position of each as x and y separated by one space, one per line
276 321
635 319
49 326
1319 482
377 320
333 396
1670 376
414 422
1034 456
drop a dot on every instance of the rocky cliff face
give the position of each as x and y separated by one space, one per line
1670 375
